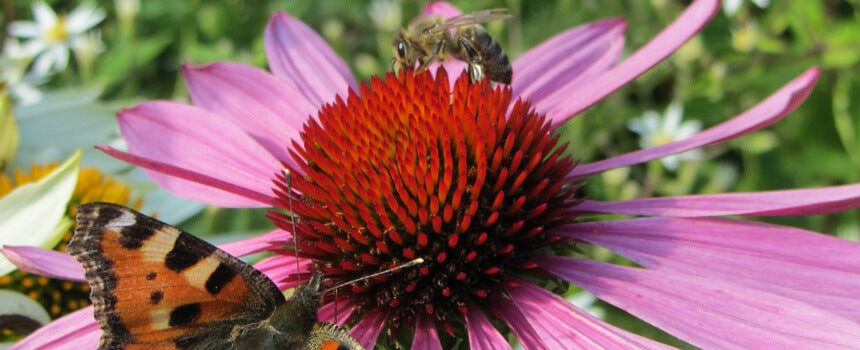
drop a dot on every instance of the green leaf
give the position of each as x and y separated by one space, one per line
29 215
8 131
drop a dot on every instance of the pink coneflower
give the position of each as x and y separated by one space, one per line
471 178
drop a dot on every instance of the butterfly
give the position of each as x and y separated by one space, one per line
155 286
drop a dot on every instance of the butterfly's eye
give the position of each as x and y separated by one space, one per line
401 49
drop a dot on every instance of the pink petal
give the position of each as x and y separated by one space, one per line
201 142
281 269
268 110
683 28
45 262
367 330
441 8
255 244
550 72
528 337
763 114
228 194
50 263
709 313
564 326
77 330
482 334
813 268
425 334
300 57
339 315
812 201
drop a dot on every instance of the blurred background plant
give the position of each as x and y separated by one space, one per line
126 51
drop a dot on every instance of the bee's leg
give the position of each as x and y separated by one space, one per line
424 65
476 72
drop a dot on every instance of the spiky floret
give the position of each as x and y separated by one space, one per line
415 168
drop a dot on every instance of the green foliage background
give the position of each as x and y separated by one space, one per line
735 62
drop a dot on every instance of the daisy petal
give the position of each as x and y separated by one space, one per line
77 330
255 244
683 28
204 143
44 15
559 65
45 262
425 334
23 29
482 334
298 55
763 114
811 201
776 259
367 330
83 18
709 313
564 326
269 110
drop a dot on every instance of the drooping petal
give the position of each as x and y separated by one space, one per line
811 201
269 110
200 142
564 326
548 73
425 334
367 330
299 56
683 28
255 244
763 114
77 330
45 262
813 268
709 313
482 334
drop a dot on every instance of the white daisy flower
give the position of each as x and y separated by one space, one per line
13 72
656 130
51 35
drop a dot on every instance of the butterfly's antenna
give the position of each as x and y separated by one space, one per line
289 177
408 264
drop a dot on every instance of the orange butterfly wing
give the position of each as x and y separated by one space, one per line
155 285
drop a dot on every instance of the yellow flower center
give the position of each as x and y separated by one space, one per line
58 32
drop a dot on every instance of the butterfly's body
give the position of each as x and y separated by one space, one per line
157 287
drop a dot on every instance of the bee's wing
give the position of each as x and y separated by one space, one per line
475 18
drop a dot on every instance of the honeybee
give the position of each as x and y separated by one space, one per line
428 39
